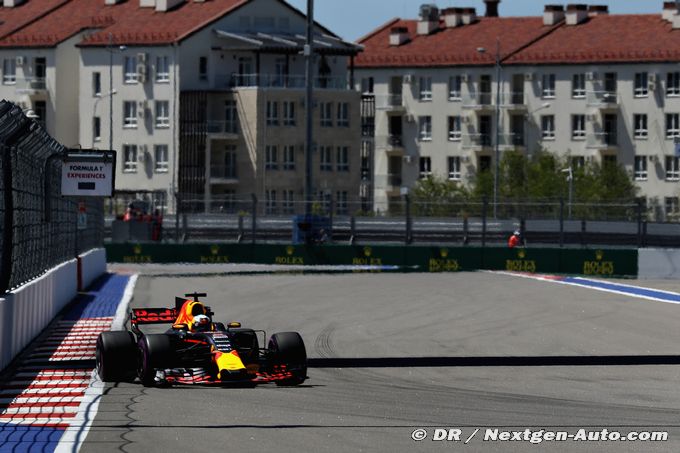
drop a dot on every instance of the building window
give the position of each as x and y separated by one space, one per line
455 88
454 128
640 168
342 158
326 159
96 84
425 167
270 201
367 85
454 168
425 128
230 117
289 113
129 114
289 157
162 114
202 68
641 88
96 129
162 69
130 161
673 84
672 169
672 125
9 71
548 90
326 114
578 86
130 70
426 88
230 162
548 127
272 113
578 127
271 158
160 154
288 201
341 202
343 114
640 123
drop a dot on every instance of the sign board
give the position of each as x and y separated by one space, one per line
88 173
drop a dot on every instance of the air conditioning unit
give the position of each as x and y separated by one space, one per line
142 71
21 60
408 78
651 78
408 159
410 118
591 76
529 77
143 153
465 78
141 58
651 86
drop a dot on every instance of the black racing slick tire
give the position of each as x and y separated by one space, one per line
288 349
155 352
247 345
115 356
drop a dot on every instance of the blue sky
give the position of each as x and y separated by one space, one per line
352 19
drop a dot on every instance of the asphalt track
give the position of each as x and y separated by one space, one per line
394 352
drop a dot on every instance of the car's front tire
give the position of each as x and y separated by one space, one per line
155 352
115 356
288 349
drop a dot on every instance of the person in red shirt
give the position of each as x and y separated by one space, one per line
515 240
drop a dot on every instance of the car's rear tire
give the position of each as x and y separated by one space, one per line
288 349
155 352
115 356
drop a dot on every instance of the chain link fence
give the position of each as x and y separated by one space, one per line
40 229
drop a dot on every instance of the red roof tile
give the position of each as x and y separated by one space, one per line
12 19
126 22
606 39
451 46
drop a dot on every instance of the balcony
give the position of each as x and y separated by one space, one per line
35 87
226 130
603 100
478 101
514 101
480 142
390 102
221 174
602 141
290 82
390 182
390 142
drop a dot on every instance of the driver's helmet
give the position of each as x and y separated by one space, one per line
516 233
201 323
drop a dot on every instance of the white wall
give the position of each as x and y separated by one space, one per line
658 263
92 265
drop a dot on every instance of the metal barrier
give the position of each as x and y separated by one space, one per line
32 239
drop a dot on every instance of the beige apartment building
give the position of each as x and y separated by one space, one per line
201 98
571 82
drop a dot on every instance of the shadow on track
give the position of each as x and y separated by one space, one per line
425 362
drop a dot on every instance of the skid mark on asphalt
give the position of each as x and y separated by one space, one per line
639 292
53 388
323 345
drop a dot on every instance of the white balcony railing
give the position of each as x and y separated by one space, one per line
236 80
222 127
389 101
480 141
601 140
33 85
223 172
389 141
602 99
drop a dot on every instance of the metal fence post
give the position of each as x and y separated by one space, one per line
253 218
583 232
561 222
178 204
352 230
639 223
644 234
240 229
407 200
8 227
485 208
466 230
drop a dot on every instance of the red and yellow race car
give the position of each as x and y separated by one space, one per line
197 350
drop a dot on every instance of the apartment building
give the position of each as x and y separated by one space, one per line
449 86
203 98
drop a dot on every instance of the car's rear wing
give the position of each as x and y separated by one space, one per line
153 316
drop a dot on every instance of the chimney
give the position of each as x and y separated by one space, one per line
670 9
398 36
429 19
453 17
166 5
112 2
469 16
553 14
576 14
597 10
11 3
147 3
492 8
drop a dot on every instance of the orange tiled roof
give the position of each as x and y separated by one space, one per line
126 22
451 46
626 38
12 19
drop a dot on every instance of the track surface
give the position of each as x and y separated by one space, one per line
518 329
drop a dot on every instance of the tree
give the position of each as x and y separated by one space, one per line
437 196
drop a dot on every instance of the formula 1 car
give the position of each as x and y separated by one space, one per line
183 355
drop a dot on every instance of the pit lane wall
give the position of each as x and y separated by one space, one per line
659 263
27 310
595 262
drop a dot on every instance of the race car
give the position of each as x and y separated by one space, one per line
196 350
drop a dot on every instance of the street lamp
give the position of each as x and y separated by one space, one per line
96 103
498 124
570 177
527 117
111 50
